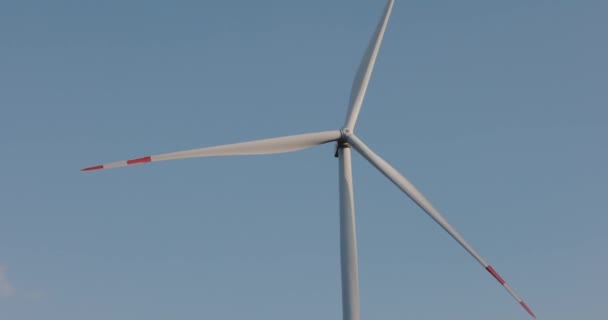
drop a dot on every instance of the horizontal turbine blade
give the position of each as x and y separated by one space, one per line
411 191
266 146
364 73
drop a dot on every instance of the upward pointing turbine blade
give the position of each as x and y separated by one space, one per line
411 191
366 67
266 146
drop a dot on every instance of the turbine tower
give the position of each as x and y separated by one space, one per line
346 140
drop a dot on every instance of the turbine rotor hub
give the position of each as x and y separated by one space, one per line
343 141
344 134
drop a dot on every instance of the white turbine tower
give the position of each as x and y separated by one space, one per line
346 139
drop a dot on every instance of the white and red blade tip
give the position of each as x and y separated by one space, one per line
119 164
504 284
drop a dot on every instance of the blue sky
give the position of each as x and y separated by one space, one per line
495 110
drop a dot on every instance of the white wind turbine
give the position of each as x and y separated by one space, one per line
346 139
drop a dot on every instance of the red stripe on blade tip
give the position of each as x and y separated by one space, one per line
523 304
92 168
495 274
139 160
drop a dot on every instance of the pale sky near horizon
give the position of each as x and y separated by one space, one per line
496 110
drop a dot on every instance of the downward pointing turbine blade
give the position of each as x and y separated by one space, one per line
411 191
266 146
366 67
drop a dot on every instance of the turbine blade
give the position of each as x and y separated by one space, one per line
364 73
266 146
411 191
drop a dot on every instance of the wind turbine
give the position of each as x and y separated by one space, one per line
346 139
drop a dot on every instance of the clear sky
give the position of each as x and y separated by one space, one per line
496 110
